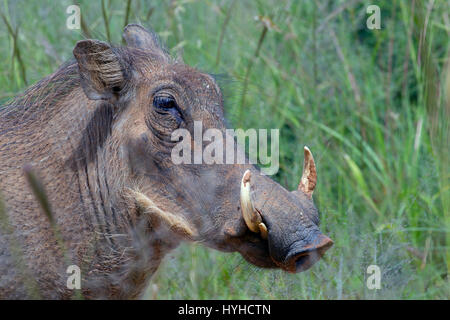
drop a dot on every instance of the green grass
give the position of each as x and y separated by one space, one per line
372 105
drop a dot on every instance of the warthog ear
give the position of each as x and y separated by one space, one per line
101 73
138 37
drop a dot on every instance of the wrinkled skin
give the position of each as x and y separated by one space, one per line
100 144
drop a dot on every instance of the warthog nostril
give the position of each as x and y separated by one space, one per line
304 261
306 257
301 261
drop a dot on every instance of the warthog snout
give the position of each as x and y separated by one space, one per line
286 222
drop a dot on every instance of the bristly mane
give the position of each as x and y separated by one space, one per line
43 94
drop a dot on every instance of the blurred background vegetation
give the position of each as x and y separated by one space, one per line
372 105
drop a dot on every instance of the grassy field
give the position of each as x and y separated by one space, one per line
372 105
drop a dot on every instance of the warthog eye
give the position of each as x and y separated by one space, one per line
164 102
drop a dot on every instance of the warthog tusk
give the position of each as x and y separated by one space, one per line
251 216
175 223
308 180
263 230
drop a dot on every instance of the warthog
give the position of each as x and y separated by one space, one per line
96 134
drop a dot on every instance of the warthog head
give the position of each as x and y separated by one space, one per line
230 207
